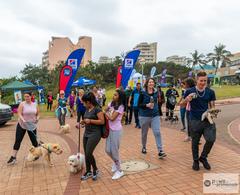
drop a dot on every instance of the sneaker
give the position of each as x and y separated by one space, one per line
144 150
195 166
183 129
114 168
139 127
77 126
205 163
86 176
161 154
12 160
117 175
95 175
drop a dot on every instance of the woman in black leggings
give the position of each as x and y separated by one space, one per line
28 114
93 119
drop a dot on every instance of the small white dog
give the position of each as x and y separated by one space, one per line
65 128
76 163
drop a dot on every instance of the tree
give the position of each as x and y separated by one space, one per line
220 57
197 59
36 74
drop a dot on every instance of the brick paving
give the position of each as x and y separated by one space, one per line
173 175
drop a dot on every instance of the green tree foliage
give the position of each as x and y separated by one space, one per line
219 57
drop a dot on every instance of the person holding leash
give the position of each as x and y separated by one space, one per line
28 116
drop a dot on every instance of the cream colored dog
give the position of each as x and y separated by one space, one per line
210 114
65 128
45 151
76 163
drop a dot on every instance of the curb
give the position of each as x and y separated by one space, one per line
230 133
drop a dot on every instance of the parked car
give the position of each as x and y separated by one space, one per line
5 113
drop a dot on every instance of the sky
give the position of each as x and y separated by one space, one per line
116 26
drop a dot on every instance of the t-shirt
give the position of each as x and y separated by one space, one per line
116 125
62 102
199 104
50 99
135 96
80 106
92 130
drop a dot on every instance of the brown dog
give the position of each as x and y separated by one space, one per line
44 150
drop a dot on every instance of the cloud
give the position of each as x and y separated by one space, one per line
179 27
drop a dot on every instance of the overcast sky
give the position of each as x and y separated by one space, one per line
179 27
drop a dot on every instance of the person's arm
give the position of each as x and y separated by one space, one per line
212 101
37 114
185 99
113 116
20 109
177 94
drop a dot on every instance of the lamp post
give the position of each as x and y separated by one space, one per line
142 62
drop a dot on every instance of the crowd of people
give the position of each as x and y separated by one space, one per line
144 102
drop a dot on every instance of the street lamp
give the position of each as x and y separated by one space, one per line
142 62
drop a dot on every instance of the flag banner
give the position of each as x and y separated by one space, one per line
74 61
64 77
164 72
128 66
153 71
119 77
190 74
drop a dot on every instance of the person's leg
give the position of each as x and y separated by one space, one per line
160 109
51 107
78 116
60 116
91 145
87 161
144 122
33 137
48 105
188 124
167 110
114 147
182 114
172 111
209 134
64 116
127 115
135 110
20 132
130 116
155 124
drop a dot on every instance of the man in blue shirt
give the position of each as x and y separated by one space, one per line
134 97
201 98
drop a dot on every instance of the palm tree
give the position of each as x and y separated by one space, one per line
220 57
197 59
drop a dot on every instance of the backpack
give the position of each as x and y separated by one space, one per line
105 128
172 100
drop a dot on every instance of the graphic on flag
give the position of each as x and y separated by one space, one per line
73 63
128 63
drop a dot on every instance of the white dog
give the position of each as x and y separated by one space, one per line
210 114
76 163
65 128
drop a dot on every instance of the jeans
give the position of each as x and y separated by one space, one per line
61 115
136 112
154 123
129 111
183 114
199 128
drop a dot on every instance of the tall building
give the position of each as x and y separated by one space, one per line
178 60
60 48
105 60
148 51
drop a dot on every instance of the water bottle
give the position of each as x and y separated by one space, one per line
151 99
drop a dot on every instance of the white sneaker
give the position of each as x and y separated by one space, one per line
117 175
114 168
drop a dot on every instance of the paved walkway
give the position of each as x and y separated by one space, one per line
172 175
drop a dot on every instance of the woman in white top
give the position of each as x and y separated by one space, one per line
28 113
